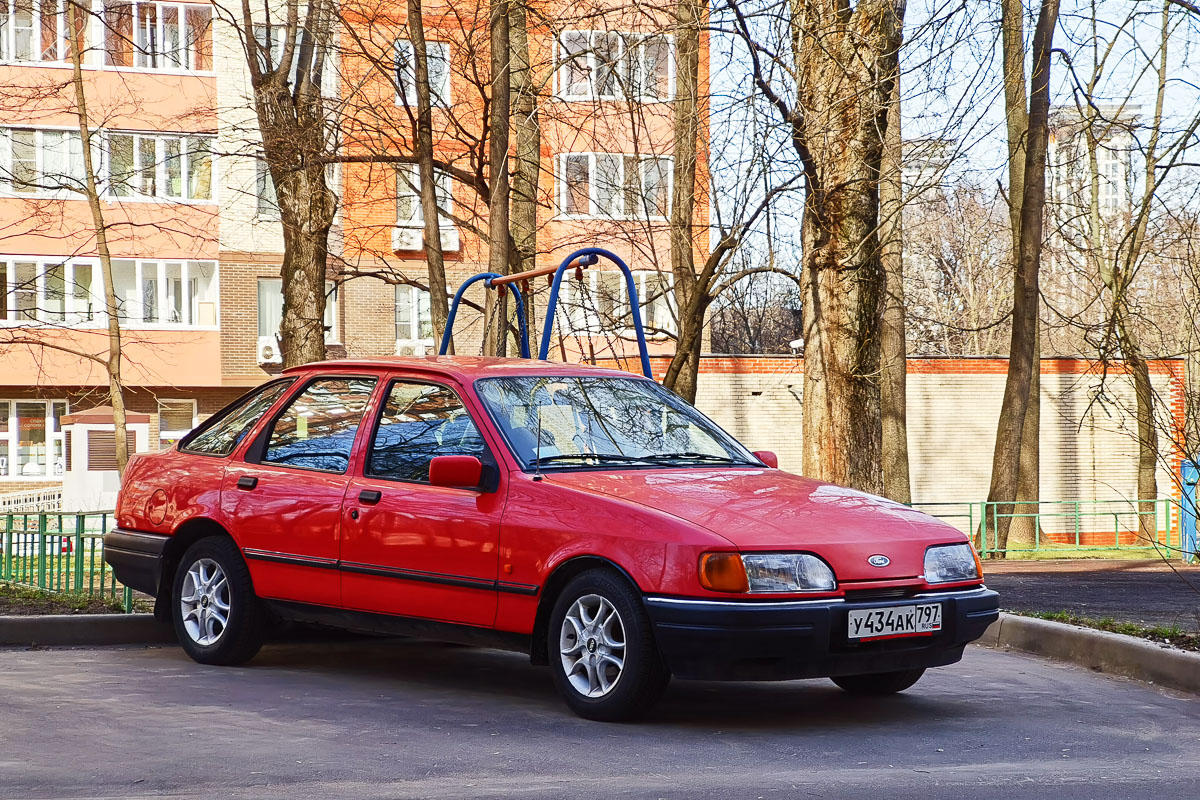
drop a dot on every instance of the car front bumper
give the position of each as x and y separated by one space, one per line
783 640
136 558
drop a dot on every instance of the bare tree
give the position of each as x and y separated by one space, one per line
1023 358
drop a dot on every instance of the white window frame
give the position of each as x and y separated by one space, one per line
562 188
171 433
410 175
624 38
8 462
332 315
161 193
406 90
88 311
419 305
156 60
45 184
264 207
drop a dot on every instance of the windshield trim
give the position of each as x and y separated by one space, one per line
752 461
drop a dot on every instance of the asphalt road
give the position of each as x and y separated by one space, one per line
403 719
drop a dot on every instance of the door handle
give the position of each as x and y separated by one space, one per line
247 482
369 496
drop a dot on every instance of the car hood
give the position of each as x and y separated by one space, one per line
770 510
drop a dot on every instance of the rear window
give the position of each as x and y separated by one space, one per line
221 433
317 429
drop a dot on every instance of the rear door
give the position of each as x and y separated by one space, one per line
285 499
410 548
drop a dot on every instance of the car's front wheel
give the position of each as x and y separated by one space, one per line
218 618
879 683
602 651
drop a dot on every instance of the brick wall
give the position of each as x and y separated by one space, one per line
1088 442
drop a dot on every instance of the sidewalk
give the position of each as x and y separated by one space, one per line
1147 592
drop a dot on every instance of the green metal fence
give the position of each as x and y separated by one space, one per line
60 553
1049 528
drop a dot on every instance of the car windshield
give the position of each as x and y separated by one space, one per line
581 422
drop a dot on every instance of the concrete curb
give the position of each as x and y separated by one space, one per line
59 630
1102 651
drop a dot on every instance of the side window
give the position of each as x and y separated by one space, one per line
420 421
316 430
220 434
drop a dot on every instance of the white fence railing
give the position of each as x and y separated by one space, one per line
31 500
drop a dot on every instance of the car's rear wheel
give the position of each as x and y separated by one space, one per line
603 656
879 683
218 619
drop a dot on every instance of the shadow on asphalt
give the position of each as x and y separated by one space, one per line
509 687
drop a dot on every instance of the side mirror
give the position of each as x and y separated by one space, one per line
768 458
459 472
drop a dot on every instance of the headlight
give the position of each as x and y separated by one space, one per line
950 562
765 572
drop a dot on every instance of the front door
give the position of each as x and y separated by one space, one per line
285 501
413 549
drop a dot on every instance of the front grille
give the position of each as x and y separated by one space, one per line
878 594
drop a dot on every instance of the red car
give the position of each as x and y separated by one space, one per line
585 516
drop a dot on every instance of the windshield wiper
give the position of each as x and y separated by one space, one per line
692 456
610 457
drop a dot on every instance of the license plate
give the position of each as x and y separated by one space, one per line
893 621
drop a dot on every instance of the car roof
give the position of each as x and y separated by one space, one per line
463 368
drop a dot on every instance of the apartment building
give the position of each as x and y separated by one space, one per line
193 228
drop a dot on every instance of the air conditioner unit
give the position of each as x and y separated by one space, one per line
411 349
268 351
406 239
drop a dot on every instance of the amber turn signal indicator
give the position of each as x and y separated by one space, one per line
723 572
978 563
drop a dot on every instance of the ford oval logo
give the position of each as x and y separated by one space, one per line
879 561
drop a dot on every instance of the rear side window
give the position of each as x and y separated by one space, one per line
316 430
420 421
220 435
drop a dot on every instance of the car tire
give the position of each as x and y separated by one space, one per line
601 647
218 618
880 683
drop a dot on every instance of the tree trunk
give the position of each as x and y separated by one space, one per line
1006 460
847 62
683 371
893 350
439 306
528 166
116 397
496 334
1024 529
293 126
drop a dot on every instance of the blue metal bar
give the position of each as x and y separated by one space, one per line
486 277
588 256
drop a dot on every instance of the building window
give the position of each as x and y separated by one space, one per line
599 304
49 291
614 186
175 419
31 438
158 36
42 31
408 195
264 191
168 167
172 293
609 65
34 162
414 319
270 309
438 56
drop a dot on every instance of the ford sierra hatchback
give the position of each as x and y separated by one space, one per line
584 516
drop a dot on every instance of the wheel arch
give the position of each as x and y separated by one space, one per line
552 588
184 537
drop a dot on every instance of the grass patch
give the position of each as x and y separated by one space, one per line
1048 553
1162 634
24 601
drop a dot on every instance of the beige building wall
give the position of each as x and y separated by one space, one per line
1088 441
